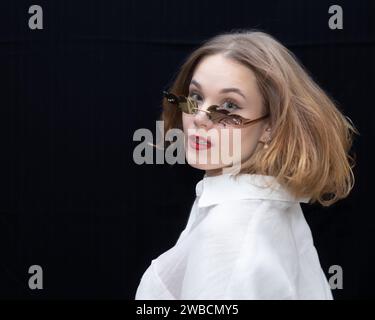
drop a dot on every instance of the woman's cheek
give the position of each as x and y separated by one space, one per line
248 143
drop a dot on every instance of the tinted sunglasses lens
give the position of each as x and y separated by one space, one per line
188 106
234 120
181 101
221 116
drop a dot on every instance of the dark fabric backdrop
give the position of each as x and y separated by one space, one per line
73 201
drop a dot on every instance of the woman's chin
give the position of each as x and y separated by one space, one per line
203 166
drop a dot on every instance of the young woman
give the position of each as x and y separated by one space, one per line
246 236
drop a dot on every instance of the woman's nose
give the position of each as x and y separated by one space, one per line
202 118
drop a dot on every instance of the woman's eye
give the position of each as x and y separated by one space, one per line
227 105
230 106
193 95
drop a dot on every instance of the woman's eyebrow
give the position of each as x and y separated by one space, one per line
225 90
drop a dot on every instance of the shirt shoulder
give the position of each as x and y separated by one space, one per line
237 245
218 189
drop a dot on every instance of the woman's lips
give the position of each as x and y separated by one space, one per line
199 143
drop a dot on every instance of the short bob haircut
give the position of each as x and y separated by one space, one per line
311 139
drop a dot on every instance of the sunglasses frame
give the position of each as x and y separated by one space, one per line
188 106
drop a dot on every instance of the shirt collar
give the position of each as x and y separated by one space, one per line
213 190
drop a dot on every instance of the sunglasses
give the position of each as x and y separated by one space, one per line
216 115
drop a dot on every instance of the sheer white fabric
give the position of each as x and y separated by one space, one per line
243 240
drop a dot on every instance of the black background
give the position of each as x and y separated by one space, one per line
72 199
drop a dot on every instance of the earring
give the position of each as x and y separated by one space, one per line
265 146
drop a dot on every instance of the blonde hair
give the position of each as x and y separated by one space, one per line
311 138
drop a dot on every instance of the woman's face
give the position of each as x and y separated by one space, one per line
211 77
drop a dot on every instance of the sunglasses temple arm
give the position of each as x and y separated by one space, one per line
250 122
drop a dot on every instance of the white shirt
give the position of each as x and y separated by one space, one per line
242 241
